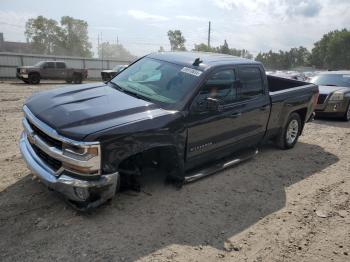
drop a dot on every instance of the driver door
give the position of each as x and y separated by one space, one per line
48 70
212 130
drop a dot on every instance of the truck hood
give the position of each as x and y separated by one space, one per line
326 90
27 67
77 111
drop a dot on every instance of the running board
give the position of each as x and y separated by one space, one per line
198 174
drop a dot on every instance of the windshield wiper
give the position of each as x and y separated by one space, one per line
330 85
130 92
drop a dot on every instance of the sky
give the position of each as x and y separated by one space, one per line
142 26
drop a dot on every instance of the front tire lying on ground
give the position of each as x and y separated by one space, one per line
290 132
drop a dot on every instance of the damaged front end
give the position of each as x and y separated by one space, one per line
69 167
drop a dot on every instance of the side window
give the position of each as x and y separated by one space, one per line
220 86
60 65
251 83
49 65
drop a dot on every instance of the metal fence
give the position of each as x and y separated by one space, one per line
10 61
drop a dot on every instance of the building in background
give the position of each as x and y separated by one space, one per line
15 47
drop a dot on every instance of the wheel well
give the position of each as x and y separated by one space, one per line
131 168
302 113
163 155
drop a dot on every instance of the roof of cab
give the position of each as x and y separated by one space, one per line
208 59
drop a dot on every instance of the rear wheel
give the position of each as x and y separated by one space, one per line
290 132
77 78
34 78
346 116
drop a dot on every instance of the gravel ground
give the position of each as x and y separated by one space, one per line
280 206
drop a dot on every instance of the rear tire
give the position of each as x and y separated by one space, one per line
290 132
34 78
346 116
77 78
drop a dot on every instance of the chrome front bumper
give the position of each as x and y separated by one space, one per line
83 194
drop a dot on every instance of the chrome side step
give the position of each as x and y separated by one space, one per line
238 158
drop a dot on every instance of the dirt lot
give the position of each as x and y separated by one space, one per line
280 206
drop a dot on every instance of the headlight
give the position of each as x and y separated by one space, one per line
86 160
23 70
336 96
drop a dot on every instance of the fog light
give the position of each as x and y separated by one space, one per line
82 193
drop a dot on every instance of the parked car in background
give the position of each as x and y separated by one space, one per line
109 74
176 111
334 98
288 74
53 70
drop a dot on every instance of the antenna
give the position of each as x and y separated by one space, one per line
197 62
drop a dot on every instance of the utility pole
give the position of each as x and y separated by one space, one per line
209 34
101 51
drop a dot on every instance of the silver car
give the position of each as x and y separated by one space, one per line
334 98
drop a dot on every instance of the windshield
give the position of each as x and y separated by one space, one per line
332 80
39 64
158 80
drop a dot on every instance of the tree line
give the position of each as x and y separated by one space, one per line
177 43
331 52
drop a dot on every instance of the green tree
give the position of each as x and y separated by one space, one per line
68 38
224 49
332 51
284 60
177 41
204 48
43 34
74 37
114 51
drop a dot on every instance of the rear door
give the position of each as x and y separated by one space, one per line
255 100
61 70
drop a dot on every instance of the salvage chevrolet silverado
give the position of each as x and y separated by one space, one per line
189 113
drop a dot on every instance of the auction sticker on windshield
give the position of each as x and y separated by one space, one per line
191 71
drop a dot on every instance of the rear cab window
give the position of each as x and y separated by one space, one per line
60 65
252 84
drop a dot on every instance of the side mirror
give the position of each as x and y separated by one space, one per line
208 104
213 104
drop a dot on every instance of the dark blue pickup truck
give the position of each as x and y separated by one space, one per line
187 113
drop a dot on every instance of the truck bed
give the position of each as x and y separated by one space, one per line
287 94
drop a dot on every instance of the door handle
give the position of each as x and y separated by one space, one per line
235 115
263 108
